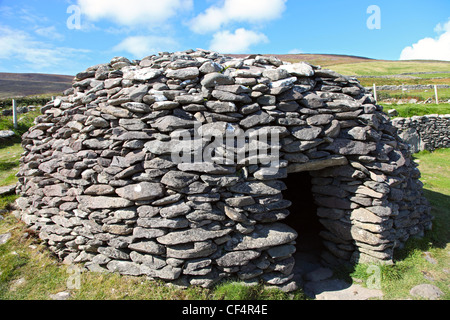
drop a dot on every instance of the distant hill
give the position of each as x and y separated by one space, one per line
14 85
323 60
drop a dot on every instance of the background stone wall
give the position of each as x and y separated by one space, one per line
429 132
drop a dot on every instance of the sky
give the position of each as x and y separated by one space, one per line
68 36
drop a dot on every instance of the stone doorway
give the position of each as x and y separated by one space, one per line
303 213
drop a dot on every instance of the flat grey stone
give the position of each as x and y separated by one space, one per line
213 79
5 134
171 123
7 190
4 238
175 223
141 191
426 291
192 250
259 188
184 73
148 260
237 258
314 165
149 247
350 147
191 235
306 133
336 289
64 295
124 267
265 236
178 180
299 69
104 202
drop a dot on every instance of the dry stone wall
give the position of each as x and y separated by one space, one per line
106 179
429 132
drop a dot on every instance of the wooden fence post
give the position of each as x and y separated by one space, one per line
375 92
436 94
14 105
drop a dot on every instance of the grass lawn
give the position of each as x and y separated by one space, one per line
435 169
420 95
409 110
9 163
432 75
10 152
383 68
24 121
392 75
396 81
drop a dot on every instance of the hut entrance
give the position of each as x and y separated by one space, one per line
303 213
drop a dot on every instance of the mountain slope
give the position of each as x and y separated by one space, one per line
13 85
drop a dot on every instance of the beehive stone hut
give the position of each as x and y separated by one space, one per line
192 166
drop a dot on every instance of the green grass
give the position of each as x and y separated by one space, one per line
382 68
395 81
231 290
9 165
435 168
24 121
432 75
410 267
9 162
410 110
391 71
420 95
11 150
23 257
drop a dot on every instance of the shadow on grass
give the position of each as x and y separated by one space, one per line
8 165
5 143
439 236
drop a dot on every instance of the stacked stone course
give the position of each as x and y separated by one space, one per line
429 132
100 186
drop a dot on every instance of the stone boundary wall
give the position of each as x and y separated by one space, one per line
408 87
429 132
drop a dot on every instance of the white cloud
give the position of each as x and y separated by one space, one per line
142 46
251 11
295 51
441 28
19 47
134 12
29 16
430 48
237 42
50 33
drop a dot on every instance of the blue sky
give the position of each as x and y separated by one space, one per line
67 36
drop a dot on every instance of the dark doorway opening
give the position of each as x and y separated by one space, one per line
303 213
